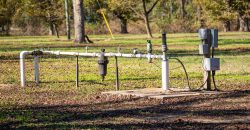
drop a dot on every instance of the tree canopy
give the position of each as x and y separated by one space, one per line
48 16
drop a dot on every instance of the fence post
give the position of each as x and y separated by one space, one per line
117 74
36 69
77 73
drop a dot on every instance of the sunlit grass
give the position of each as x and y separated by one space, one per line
59 72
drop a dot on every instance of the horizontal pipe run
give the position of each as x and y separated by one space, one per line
106 54
149 56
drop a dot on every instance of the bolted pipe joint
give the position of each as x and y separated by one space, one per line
37 52
103 63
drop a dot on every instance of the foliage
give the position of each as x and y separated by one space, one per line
219 10
167 15
8 8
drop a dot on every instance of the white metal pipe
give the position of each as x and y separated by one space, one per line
22 66
149 58
165 70
165 75
106 54
36 69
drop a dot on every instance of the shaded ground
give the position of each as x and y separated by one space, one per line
225 111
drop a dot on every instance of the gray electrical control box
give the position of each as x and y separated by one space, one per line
212 64
203 33
203 49
214 33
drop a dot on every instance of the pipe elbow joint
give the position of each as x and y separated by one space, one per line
23 54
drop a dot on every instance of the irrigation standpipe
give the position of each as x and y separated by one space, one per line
40 52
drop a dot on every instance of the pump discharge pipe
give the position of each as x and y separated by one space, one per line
165 70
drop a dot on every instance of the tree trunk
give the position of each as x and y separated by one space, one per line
8 29
67 20
3 28
147 26
183 11
145 17
171 8
79 21
244 24
198 13
51 29
226 26
56 30
124 27
237 24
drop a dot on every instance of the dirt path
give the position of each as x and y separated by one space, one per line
225 111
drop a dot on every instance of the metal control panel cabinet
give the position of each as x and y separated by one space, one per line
203 33
214 33
212 64
203 49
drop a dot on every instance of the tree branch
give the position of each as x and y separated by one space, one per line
136 12
144 6
152 7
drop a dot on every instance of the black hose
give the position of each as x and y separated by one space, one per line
184 68
187 77
213 72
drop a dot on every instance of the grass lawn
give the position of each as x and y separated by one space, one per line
57 103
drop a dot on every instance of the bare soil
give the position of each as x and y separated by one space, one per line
47 111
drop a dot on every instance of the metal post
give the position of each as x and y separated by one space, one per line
117 74
77 72
36 69
207 74
165 74
164 63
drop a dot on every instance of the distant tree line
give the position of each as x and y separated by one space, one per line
54 16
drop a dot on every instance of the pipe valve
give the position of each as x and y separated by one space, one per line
149 50
149 46
103 63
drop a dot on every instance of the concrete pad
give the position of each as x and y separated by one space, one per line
158 93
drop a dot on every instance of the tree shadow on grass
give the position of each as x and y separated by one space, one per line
96 116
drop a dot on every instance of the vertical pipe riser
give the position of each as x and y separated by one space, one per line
22 67
22 71
165 75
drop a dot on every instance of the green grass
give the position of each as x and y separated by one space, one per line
234 50
57 73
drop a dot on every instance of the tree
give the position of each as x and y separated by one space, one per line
47 12
79 21
8 9
144 11
120 9
182 8
242 7
219 10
